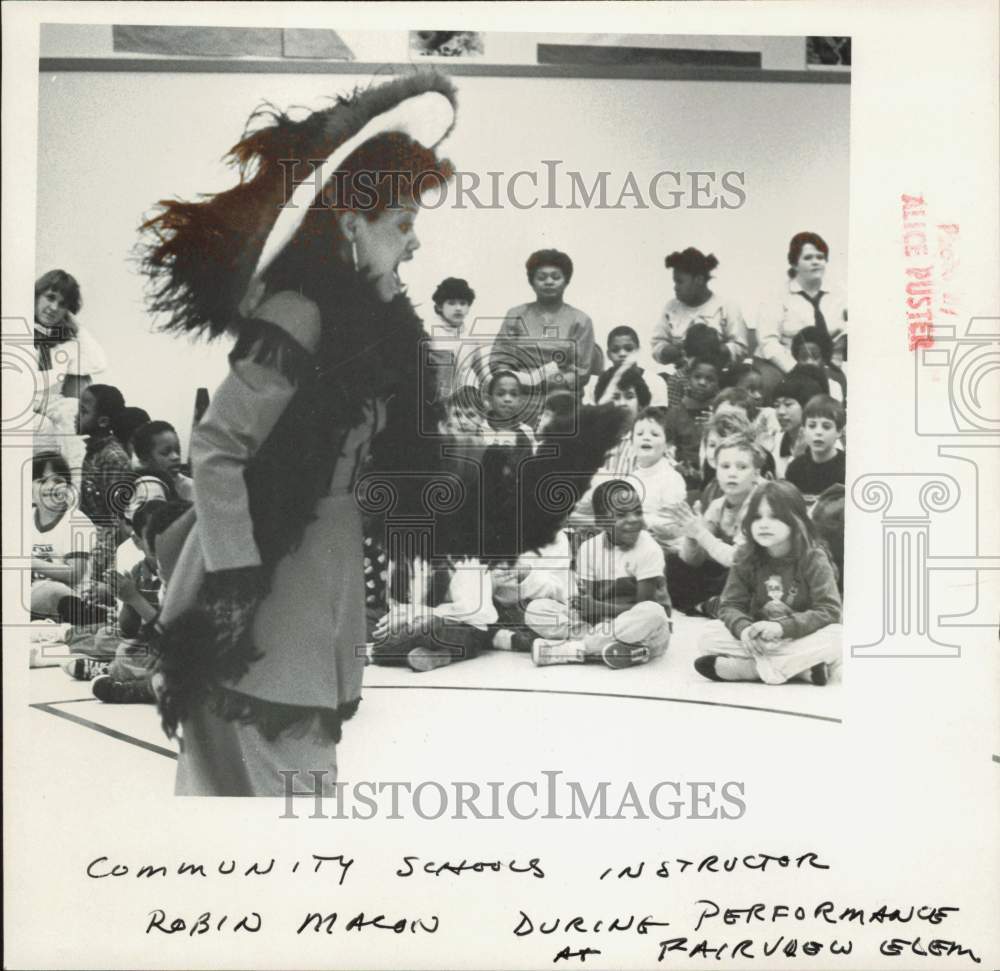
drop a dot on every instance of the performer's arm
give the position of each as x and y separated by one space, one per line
242 413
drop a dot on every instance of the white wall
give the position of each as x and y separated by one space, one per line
111 145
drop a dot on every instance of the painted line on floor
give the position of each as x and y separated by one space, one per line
605 694
51 709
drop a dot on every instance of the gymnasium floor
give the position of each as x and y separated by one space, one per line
499 695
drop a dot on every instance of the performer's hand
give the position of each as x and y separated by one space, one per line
231 598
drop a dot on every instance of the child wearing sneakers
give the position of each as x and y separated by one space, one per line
122 671
545 574
621 616
128 679
444 617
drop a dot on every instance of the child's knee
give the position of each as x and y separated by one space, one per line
46 595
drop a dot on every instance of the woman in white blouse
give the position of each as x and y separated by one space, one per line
804 303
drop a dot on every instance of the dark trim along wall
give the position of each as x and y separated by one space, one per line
641 72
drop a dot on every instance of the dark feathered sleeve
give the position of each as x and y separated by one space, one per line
516 500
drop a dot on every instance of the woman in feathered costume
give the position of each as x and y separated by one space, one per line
263 626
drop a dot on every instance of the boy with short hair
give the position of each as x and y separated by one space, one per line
791 396
621 615
623 345
810 346
698 575
822 464
700 343
686 418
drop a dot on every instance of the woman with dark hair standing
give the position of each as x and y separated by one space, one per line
695 303
805 303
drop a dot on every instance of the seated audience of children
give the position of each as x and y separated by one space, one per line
703 504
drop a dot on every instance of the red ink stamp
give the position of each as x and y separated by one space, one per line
931 253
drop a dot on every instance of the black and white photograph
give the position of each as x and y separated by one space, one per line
438 441
585 393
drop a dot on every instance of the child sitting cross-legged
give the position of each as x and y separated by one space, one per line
822 464
120 664
779 616
128 679
437 614
545 574
621 615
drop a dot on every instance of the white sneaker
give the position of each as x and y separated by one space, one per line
545 652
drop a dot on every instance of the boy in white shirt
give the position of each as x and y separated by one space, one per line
621 616
659 484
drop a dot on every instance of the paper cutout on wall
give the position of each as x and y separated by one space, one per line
230 42
200 41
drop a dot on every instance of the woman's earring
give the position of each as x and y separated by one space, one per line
354 254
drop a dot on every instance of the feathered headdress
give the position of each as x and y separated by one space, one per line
205 259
